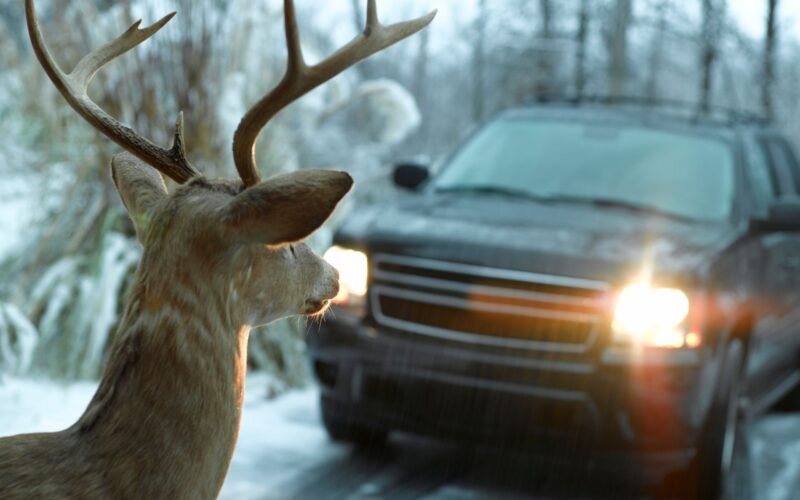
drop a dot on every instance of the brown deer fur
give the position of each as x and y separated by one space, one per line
165 418
219 258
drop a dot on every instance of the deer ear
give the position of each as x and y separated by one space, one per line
287 208
140 186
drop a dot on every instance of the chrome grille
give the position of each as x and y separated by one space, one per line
486 306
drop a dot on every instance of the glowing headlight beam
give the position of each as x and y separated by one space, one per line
651 316
353 267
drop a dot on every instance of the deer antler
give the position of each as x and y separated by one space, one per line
301 78
171 162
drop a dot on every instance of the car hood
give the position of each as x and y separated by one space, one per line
569 240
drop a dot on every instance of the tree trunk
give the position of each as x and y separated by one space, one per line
479 65
713 15
582 37
656 58
618 67
546 10
770 48
544 78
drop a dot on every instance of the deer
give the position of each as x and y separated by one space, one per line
220 257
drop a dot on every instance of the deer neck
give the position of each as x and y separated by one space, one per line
169 404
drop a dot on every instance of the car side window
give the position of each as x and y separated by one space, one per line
763 179
786 165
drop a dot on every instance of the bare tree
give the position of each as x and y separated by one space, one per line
545 79
479 64
711 33
581 39
546 11
618 47
656 56
770 49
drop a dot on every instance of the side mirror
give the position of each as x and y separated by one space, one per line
784 216
411 176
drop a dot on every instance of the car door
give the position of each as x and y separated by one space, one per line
749 272
781 295
783 156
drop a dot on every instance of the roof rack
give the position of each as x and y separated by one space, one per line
683 109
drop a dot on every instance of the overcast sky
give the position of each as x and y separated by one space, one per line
751 15
453 14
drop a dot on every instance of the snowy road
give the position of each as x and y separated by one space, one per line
283 453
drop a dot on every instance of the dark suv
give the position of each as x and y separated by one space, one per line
608 279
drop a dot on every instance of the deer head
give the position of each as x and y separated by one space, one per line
245 232
244 241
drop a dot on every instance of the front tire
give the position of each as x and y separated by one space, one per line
723 466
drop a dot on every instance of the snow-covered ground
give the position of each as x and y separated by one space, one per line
278 441
283 453
15 210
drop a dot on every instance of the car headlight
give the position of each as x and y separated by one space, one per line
653 317
353 267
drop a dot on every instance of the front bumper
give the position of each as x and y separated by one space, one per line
648 402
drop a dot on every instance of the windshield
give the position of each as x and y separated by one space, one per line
659 171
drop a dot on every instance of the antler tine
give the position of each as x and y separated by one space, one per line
372 15
301 78
296 63
74 86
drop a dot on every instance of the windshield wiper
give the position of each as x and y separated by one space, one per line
614 203
576 200
496 190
